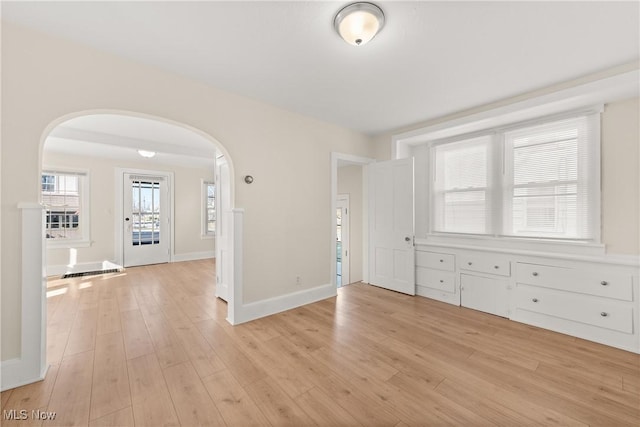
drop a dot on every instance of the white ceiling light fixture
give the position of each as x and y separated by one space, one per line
359 22
147 154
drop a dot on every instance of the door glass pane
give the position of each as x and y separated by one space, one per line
339 247
145 213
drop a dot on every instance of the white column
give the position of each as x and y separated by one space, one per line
31 366
235 302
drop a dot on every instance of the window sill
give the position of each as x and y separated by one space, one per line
515 244
66 244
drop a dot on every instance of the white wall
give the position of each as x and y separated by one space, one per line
287 208
102 195
350 182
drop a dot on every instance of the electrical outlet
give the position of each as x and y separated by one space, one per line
298 281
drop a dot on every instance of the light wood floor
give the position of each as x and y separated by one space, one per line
151 347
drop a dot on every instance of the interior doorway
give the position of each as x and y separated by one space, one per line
342 240
349 178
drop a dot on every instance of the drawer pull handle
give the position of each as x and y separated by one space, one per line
441 281
604 283
535 273
496 267
604 314
535 300
470 263
441 260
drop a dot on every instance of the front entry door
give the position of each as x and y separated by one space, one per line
146 219
391 226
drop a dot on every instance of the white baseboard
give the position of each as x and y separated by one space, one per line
258 309
194 256
16 373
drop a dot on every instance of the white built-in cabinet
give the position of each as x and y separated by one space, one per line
587 297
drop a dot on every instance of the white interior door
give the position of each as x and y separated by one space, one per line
391 225
146 219
223 228
342 240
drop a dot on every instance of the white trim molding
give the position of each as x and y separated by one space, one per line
31 365
194 256
603 91
267 307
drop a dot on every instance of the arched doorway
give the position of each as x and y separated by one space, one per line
103 135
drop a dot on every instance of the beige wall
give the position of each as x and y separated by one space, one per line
287 220
350 182
620 153
188 205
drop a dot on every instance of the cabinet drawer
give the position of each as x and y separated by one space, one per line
436 279
603 283
485 294
435 260
578 308
485 264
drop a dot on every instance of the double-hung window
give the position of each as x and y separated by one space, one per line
65 198
462 186
534 181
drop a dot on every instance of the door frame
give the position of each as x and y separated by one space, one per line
340 159
343 199
119 209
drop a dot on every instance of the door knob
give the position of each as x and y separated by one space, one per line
126 219
407 239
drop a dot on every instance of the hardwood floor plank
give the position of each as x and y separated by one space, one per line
56 344
242 368
83 332
274 403
121 418
507 410
71 395
137 341
126 298
110 387
588 408
4 397
365 409
233 402
190 398
323 410
201 354
32 396
108 316
365 357
152 404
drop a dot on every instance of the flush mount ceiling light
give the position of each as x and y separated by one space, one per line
147 154
358 23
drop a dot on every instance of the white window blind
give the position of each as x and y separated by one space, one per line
549 179
462 186
532 180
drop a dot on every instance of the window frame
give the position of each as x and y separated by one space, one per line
204 211
84 218
497 187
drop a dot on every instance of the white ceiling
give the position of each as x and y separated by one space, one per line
120 137
431 58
